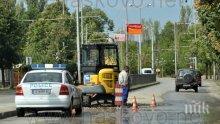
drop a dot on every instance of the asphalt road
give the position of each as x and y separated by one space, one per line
184 107
7 100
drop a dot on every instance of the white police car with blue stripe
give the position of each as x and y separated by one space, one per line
48 88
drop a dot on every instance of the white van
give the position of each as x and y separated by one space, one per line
147 71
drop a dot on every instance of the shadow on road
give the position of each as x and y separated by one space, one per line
51 114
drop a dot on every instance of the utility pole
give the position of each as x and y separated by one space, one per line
126 34
195 62
195 33
175 48
63 7
82 38
152 49
86 34
196 45
78 43
140 43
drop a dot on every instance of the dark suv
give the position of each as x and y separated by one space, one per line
198 77
186 79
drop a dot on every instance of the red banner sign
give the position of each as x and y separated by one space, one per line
134 29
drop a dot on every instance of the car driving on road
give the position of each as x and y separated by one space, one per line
186 79
48 89
198 77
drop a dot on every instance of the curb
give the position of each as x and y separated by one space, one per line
7 92
143 86
7 114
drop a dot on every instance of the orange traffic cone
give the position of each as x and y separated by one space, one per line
134 105
153 102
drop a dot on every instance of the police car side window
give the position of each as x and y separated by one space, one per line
70 80
66 79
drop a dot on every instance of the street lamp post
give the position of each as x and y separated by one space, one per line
82 38
175 48
78 43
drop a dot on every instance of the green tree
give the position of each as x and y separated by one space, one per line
185 19
97 37
149 28
97 22
26 12
133 55
166 53
34 7
9 36
52 41
209 15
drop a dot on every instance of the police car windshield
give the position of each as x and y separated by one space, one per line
43 77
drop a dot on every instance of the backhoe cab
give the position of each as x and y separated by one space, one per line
100 68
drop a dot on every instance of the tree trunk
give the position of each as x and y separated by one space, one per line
3 77
214 71
206 70
218 71
210 70
11 78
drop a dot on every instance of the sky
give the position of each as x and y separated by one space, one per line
161 10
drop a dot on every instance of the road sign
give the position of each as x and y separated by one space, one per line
28 60
120 37
134 29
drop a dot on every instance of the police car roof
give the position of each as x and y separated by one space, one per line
37 71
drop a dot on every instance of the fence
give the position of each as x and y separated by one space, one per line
143 79
7 76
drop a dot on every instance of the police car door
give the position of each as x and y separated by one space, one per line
74 90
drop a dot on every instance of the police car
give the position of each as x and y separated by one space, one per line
48 87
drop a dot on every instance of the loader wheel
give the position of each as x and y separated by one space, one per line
87 101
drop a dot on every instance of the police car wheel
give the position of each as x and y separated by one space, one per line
196 89
35 112
87 101
20 112
177 89
78 110
68 111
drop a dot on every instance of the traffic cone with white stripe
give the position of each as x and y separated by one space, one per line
134 105
153 102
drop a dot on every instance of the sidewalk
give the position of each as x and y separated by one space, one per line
213 87
7 104
144 95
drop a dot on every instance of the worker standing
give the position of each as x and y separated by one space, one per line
123 81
